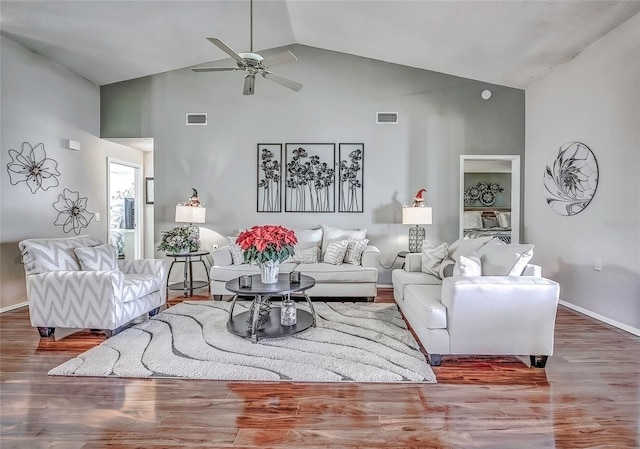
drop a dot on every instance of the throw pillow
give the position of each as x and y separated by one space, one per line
354 252
432 257
308 238
489 221
504 219
97 258
329 234
237 255
468 266
446 268
472 220
464 247
504 260
335 252
306 255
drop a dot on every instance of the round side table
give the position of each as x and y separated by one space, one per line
188 284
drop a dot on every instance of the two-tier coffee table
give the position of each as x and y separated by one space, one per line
254 325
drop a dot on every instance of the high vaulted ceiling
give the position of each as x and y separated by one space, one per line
512 43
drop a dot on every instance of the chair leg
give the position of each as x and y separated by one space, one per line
435 359
539 361
154 312
111 332
46 332
217 297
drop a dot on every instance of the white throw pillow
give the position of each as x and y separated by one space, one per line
308 238
97 258
335 252
329 234
464 247
504 219
432 257
473 220
354 252
468 266
237 255
306 255
504 260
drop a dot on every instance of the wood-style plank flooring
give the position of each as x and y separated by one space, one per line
588 396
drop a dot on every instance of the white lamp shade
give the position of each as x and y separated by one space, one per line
190 214
416 215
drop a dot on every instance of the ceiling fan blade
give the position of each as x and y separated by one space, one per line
280 58
214 69
225 48
249 84
293 85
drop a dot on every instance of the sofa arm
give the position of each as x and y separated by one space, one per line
413 262
55 297
221 257
370 257
500 314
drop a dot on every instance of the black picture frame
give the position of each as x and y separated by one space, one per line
149 191
310 176
350 177
269 178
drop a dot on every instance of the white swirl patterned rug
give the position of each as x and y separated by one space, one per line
359 342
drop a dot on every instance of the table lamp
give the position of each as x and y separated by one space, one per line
416 216
190 214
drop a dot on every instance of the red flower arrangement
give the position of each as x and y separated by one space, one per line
267 243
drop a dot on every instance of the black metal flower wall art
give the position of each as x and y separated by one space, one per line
269 174
350 176
32 166
310 182
571 181
72 212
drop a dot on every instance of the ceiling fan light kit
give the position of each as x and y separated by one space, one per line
253 63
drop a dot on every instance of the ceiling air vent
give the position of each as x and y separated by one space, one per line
199 118
387 118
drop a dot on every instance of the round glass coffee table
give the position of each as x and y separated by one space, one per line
263 320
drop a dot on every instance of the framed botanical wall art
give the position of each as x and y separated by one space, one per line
350 177
269 191
310 177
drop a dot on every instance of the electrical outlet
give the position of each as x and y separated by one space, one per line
97 216
597 264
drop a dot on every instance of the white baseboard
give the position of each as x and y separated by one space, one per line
384 285
604 319
15 306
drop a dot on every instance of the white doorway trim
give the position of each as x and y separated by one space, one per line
139 203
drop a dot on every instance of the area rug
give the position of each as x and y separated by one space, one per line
352 342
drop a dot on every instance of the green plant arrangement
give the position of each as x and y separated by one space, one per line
180 240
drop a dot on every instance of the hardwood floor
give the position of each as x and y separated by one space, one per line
588 396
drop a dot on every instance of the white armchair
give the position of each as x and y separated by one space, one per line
77 282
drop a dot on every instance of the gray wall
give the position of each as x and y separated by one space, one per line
441 117
594 99
43 102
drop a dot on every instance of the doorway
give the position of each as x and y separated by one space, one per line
124 189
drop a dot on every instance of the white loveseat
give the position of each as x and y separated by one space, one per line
512 313
356 279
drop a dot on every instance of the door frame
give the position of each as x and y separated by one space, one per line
139 204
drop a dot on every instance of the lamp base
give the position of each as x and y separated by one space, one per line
416 237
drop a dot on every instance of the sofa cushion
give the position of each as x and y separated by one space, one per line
432 257
336 251
401 279
425 300
321 272
504 260
329 234
464 247
54 254
468 265
355 250
97 258
138 285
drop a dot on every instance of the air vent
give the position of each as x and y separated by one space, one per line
387 118
199 118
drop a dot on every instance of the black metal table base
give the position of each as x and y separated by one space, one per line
271 328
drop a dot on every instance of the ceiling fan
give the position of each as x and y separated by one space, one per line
253 64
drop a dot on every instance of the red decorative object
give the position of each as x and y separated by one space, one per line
267 243
418 200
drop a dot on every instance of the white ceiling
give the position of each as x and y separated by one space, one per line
512 43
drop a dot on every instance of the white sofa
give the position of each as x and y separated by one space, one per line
343 280
479 314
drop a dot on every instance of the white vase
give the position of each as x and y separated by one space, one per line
269 272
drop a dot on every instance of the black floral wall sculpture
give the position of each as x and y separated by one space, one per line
351 177
32 166
72 212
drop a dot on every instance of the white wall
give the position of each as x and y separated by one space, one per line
594 99
43 102
441 117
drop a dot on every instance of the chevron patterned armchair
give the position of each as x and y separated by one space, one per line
78 282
